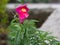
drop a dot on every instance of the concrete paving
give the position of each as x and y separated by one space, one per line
52 24
36 5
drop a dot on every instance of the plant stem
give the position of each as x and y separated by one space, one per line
24 36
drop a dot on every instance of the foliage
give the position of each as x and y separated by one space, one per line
3 15
28 34
22 1
34 1
3 5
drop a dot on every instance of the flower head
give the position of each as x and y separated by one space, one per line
22 11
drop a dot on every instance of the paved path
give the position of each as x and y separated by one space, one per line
52 24
34 5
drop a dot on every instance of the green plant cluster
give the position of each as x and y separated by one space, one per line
3 14
35 1
3 5
28 34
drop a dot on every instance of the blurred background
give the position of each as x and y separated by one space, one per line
37 1
37 12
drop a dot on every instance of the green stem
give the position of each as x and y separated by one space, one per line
16 38
24 37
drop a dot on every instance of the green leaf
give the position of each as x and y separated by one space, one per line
22 1
28 34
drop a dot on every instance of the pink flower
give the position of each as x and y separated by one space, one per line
22 12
